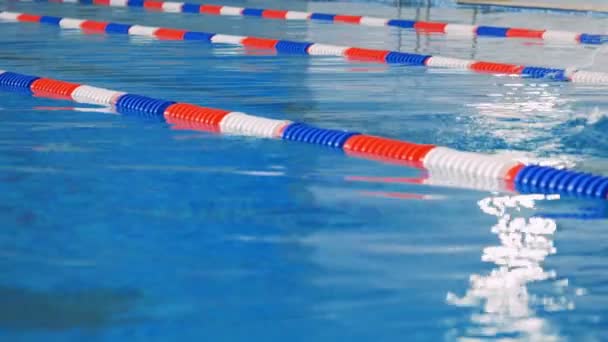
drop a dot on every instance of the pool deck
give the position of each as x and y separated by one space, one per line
530 4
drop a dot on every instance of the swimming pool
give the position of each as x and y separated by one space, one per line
121 229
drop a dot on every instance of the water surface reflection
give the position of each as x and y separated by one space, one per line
506 305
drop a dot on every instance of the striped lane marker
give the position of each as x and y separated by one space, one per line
425 27
308 48
436 160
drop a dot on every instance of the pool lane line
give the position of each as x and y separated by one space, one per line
425 27
435 159
316 49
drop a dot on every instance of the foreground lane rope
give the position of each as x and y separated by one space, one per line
471 168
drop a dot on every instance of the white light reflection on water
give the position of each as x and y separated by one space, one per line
537 117
507 307
520 112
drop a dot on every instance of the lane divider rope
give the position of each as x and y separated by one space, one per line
309 48
425 27
435 159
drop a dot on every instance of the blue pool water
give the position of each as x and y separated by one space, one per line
114 229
